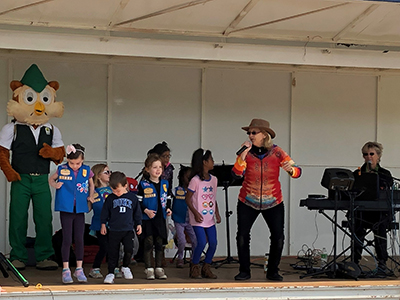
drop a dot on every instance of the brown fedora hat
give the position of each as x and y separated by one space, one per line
261 124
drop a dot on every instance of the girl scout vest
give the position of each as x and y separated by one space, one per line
100 196
179 206
73 188
150 196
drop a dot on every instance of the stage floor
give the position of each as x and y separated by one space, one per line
225 275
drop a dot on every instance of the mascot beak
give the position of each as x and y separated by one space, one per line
39 108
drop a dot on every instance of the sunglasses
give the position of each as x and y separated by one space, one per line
253 132
370 154
108 172
166 156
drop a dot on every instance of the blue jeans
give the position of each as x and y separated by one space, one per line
203 236
275 218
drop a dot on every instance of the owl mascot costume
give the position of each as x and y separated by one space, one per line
34 143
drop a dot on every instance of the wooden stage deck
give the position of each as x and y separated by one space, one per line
47 285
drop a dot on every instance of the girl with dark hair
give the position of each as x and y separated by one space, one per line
74 188
203 212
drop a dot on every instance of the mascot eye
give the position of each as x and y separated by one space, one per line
45 96
30 97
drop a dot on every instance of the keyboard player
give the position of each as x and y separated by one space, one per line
378 221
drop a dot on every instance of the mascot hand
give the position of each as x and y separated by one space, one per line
5 165
55 154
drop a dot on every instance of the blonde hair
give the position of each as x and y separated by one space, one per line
97 170
375 145
268 140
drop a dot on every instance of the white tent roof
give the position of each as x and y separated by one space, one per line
192 29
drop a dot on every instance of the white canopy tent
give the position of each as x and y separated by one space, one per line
313 32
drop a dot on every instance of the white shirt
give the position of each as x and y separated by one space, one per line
7 134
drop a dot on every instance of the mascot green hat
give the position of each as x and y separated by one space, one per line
34 78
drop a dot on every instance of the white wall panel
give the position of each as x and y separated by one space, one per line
151 104
333 115
389 121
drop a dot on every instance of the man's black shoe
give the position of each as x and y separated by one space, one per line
275 277
242 276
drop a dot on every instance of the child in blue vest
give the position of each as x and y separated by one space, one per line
155 202
101 179
74 188
180 215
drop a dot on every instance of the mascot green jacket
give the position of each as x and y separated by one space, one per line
34 143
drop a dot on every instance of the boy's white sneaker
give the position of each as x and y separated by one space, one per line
109 278
126 272
149 273
160 274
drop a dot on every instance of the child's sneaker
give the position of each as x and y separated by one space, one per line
78 274
126 272
160 274
66 276
150 273
117 273
95 273
109 278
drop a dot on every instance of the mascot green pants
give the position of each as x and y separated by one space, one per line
33 187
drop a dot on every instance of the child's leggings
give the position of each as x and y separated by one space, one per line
72 222
181 228
203 236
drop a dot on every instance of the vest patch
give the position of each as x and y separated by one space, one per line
148 191
84 173
65 172
65 177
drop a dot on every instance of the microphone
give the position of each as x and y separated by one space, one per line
240 151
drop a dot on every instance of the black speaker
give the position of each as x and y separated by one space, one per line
336 178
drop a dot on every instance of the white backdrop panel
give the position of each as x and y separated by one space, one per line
389 121
234 97
151 104
333 116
